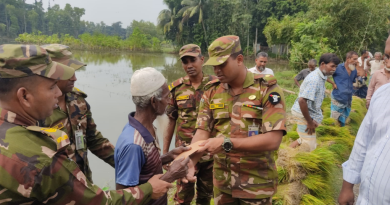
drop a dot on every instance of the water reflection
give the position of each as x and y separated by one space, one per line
106 80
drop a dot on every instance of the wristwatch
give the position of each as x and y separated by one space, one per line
227 144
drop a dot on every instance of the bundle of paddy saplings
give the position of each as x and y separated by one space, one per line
308 177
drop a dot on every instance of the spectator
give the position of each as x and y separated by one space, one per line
306 110
379 78
369 161
375 64
261 62
344 77
302 75
359 85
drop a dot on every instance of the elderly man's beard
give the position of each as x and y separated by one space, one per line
351 67
161 123
261 68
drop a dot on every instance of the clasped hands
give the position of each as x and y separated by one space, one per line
184 169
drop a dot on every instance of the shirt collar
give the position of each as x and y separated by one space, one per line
70 97
13 118
205 80
320 73
249 80
140 128
186 80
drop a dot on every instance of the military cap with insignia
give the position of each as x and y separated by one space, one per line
17 61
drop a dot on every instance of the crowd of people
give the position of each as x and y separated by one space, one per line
237 118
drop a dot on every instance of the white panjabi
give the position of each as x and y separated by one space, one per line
145 81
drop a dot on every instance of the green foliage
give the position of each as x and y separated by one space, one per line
137 41
305 49
18 17
330 26
202 21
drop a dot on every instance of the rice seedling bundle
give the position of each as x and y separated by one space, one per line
307 177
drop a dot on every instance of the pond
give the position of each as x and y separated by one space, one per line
106 80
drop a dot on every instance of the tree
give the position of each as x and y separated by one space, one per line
190 9
33 20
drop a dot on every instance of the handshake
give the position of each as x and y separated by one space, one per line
179 169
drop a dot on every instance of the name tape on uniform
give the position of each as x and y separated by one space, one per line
217 106
183 97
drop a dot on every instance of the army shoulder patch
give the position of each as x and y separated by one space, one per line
211 84
79 92
217 106
274 98
183 97
175 84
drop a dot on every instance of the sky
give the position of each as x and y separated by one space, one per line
111 11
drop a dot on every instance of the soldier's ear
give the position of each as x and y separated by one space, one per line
24 97
240 59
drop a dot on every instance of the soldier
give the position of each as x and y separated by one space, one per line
242 118
182 111
74 116
35 164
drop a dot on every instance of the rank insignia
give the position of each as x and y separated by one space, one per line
252 97
216 106
274 98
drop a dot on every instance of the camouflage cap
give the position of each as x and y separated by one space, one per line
221 49
61 53
190 50
18 61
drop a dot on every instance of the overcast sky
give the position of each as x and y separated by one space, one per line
111 11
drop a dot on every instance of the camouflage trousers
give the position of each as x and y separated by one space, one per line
221 198
204 186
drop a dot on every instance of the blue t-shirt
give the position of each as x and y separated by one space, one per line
344 83
129 158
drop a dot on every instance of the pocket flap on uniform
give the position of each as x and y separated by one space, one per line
251 112
185 103
220 113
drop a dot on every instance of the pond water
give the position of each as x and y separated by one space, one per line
106 80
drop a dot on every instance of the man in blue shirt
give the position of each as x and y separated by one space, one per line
344 77
306 110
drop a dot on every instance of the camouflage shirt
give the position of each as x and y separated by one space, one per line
35 168
244 174
183 107
80 116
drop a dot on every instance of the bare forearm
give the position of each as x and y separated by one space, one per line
168 135
296 82
304 109
330 81
199 135
264 142
347 185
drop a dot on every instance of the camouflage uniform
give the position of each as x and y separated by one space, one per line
35 167
80 116
242 177
183 108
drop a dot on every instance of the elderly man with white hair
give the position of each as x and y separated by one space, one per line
137 152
